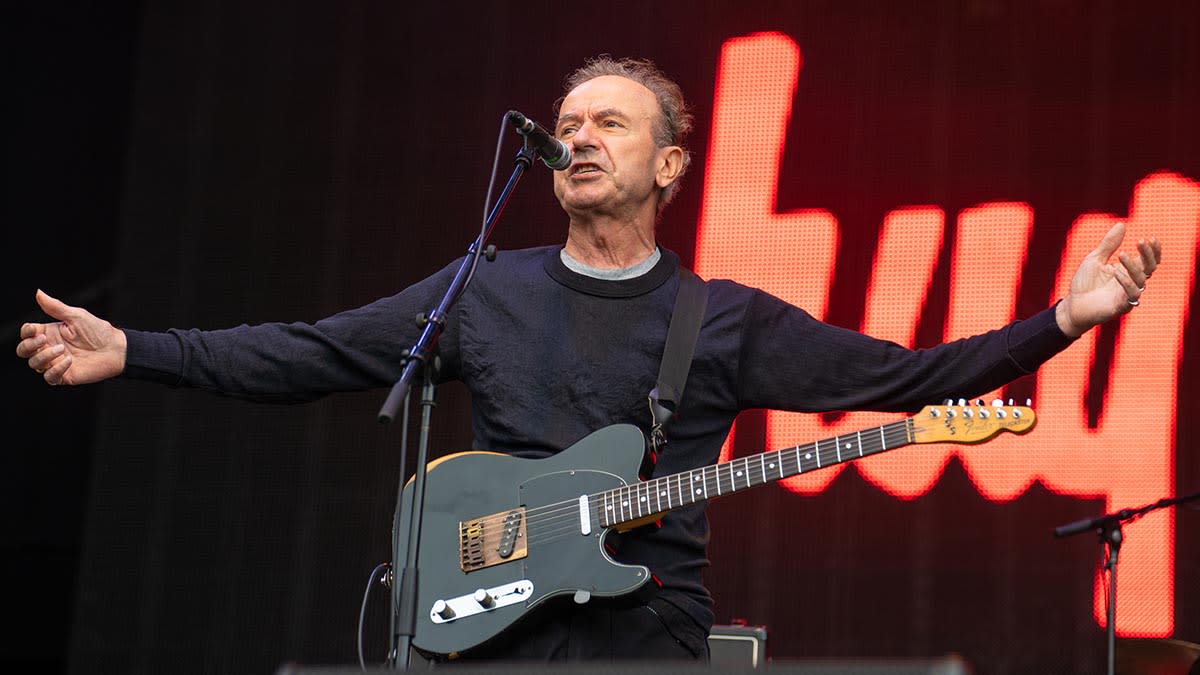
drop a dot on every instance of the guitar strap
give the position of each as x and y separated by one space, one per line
690 301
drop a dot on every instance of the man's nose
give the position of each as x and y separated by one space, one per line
582 138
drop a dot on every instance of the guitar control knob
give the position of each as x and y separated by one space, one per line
443 610
484 599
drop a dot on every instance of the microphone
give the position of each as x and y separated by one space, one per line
553 152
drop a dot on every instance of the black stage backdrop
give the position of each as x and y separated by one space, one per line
225 162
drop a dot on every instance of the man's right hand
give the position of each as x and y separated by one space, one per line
79 348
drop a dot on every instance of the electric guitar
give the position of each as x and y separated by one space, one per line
502 535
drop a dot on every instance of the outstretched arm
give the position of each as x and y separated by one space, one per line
1102 290
78 348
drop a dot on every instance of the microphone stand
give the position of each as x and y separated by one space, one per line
422 358
1108 527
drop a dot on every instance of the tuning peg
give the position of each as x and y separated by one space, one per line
979 403
997 403
962 402
1010 401
1028 402
948 401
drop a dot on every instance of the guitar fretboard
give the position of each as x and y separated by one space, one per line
648 499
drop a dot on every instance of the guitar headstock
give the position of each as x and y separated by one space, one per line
964 422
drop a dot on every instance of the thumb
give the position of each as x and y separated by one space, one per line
54 307
1111 242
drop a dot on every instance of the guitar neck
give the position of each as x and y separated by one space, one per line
651 498
645 501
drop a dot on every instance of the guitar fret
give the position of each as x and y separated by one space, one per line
645 499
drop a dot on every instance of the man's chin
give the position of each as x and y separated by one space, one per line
577 201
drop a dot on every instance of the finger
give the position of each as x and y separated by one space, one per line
29 346
1132 291
1135 268
29 330
56 372
1151 252
1111 242
43 359
52 306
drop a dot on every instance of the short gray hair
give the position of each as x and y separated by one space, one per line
673 124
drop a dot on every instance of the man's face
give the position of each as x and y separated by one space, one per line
615 167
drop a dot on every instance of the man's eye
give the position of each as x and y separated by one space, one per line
565 130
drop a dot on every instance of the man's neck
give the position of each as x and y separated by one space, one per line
609 244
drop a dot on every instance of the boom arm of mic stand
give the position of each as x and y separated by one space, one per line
1097 522
421 357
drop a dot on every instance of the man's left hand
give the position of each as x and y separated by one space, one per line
1102 290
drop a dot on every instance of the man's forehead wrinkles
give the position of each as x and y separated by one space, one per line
607 111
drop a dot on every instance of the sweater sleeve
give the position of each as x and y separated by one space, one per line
295 362
791 361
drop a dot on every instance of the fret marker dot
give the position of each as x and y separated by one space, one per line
625 503
609 507
663 493
698 491
643 499
771 465
848 446
808 456
739 473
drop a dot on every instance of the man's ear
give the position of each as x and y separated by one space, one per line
670 165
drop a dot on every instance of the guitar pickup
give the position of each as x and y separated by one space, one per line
483 600
492 540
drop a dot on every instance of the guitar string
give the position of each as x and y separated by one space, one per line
569 507
566 518
555 527
567 510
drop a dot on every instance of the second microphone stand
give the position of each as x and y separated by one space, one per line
1108 527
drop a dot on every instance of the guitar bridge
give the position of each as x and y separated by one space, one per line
491 540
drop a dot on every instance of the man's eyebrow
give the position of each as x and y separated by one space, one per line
566 117
603 112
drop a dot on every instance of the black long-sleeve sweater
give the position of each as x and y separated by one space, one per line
550 355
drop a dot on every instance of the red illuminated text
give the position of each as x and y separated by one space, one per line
1127 459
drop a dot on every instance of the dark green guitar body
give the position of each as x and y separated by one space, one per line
561 560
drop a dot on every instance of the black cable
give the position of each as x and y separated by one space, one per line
363 612
487 202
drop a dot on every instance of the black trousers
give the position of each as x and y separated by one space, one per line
655 631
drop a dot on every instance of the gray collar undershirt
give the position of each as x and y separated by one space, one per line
608 274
